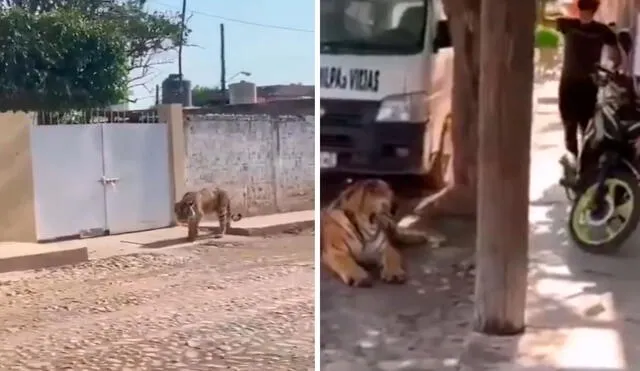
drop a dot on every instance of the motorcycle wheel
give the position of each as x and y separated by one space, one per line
623 192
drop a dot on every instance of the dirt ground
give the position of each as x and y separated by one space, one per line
225 305
420 325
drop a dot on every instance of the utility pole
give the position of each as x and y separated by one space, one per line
223 62
182 27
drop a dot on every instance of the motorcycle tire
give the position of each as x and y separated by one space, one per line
615 244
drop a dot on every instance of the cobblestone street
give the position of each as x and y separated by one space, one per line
235 306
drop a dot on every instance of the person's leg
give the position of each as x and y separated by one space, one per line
571 137
567 106
588 99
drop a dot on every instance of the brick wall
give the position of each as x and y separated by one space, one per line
264 161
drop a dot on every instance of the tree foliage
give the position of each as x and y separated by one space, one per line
202 96
147 35
59 60
547 38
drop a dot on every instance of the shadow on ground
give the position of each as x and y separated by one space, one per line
576 302
420 325
548 100
206 234
416 326
553 128
583 313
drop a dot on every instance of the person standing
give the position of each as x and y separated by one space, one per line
584 39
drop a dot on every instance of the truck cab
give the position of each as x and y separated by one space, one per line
386 73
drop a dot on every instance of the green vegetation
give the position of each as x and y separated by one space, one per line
64 54
59 60
547 38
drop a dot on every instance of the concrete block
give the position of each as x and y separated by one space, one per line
17 256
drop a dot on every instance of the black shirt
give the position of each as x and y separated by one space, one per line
583 45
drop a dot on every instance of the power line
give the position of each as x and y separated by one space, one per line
240 21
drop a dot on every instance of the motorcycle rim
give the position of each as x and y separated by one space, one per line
593 231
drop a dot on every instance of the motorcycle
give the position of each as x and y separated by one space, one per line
603 183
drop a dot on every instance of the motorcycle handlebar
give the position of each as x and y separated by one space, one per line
609 75
605 70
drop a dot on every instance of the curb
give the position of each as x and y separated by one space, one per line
45 259
287 227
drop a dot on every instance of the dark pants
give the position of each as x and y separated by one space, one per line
577 102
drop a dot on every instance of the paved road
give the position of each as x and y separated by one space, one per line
242 306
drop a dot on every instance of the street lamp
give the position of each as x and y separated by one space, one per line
244 73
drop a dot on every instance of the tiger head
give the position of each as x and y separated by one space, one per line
185 209
372 197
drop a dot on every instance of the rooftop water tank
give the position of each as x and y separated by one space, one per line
243 92
175 91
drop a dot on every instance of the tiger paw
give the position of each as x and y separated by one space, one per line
393 275
358 279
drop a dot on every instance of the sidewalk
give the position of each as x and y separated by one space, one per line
25 256
583 311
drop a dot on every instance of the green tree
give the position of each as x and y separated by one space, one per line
203 96
547 38
148 34
59 60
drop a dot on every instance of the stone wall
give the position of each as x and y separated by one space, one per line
264 161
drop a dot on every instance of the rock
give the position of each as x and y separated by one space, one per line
594 310
192 354
192 343
398 365
344 366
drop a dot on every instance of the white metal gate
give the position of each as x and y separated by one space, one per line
98 178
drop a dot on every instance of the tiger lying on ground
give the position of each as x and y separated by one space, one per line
358 229
195 205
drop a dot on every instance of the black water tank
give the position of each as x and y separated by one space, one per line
175 92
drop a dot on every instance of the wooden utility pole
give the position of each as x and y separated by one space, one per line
223 61
506 83
182 28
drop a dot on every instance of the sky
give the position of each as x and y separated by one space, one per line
273 40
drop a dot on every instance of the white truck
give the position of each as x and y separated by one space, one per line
386 72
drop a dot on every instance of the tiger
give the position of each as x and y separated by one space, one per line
195 205
358 229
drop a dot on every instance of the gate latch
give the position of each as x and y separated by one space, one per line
104 180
